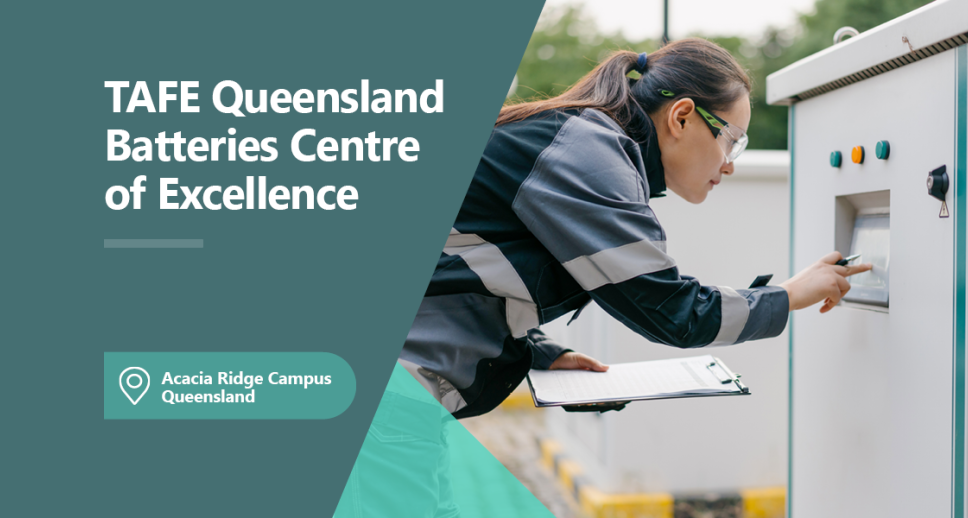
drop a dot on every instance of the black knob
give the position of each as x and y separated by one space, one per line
938 183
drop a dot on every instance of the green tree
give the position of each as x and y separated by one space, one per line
814 32
566 45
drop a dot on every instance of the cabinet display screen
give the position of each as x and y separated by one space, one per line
872 239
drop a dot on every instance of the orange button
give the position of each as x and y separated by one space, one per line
857 155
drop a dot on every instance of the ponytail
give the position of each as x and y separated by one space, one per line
691 67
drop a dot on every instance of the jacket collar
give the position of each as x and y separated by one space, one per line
643 131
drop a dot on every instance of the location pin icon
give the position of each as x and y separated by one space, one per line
134 382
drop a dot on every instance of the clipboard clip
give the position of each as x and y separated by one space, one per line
725 376
720 373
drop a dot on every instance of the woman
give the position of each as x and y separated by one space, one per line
558 215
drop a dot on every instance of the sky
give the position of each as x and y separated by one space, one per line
639 19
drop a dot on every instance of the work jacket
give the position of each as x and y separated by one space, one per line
557 215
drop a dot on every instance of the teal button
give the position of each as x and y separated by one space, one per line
835 158
207 385
882 150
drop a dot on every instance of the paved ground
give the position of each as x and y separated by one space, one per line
511 436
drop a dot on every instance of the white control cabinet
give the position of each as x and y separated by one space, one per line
877 386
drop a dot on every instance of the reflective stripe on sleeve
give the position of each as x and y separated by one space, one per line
499 277
456 241
619 264
735 311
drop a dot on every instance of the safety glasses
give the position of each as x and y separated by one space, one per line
732 140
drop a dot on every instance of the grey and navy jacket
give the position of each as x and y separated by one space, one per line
557 215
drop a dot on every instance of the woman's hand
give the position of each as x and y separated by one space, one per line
578 361
821 281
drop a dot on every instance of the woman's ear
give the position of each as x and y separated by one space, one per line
678 114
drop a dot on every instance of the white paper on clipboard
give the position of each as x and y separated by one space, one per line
657 379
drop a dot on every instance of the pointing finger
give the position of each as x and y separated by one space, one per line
860 268
853 269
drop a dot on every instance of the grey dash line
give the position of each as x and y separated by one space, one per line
154 243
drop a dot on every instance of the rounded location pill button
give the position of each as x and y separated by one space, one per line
835 159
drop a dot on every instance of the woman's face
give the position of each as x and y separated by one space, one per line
693 159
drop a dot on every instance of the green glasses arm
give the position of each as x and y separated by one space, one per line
715 123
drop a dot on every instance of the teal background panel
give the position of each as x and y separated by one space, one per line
345 282
419 462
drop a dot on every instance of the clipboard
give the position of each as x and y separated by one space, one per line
698 376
